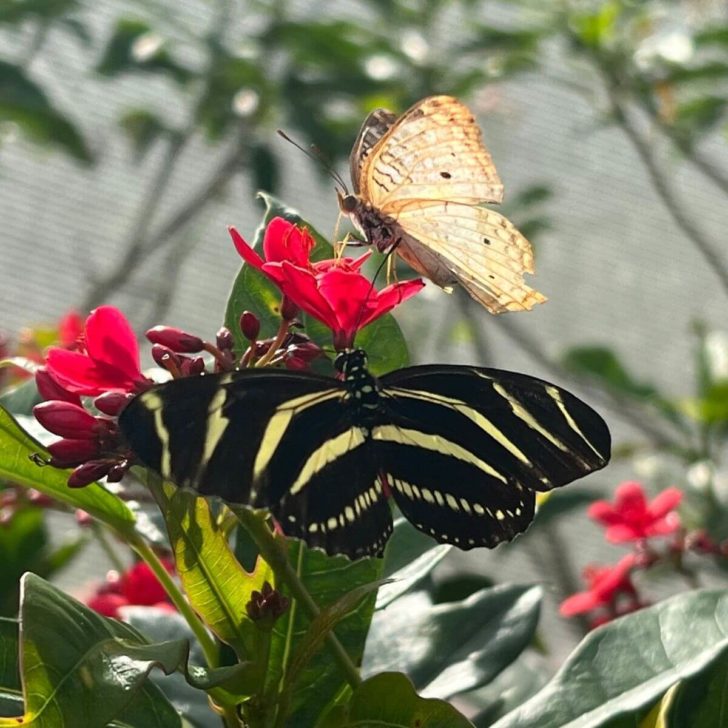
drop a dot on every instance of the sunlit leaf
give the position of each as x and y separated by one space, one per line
629 663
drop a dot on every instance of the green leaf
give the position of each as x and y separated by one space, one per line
16 449
702 700
9 647
25 103
79 668
37 10
21 399
143 128
390 700
409 557
264 168
460 645
700 115
558 504
23 540
327 579
215 583
629 663
121 56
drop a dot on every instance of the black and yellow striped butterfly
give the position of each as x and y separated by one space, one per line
462 450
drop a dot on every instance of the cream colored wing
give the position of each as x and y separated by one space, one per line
375 126
434 151
480 248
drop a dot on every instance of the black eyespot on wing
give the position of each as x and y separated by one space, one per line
445 175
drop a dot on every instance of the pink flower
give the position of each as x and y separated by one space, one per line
108 359
333 291
605 584
633 518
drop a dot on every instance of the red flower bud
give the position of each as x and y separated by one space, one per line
48 388
175 339
289 310
88 473
66 419
68 453
250 325
165 357
117 471
111 403
224 339
192 367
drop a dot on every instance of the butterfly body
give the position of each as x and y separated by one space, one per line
419 184
462 450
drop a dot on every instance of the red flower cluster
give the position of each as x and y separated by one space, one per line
631 518
100 358
333 291
136 586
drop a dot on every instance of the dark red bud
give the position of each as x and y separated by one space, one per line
289 310
250 325
175 339
49 389
193 367
224 339
295 363
88 473
117 471
66 419
68 453
165 357
266 606
111 403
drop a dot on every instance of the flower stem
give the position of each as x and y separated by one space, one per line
175 594
272 551
277 342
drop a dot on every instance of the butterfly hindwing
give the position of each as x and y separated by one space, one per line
482 249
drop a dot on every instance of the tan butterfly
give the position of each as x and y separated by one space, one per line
419 181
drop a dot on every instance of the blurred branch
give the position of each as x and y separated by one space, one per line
657 175
695 157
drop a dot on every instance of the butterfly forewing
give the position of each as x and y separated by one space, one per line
468 448
375 126
434 151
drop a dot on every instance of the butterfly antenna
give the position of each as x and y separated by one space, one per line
315 154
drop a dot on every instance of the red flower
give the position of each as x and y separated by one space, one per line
108 359
605 584
136 586
333 291
632 518
70 330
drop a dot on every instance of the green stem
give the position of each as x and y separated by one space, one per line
208 645
272 551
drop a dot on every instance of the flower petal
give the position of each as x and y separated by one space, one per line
78 374
603 511
110 340
665 502
579 604
245 251
392 296
301 287
285 241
